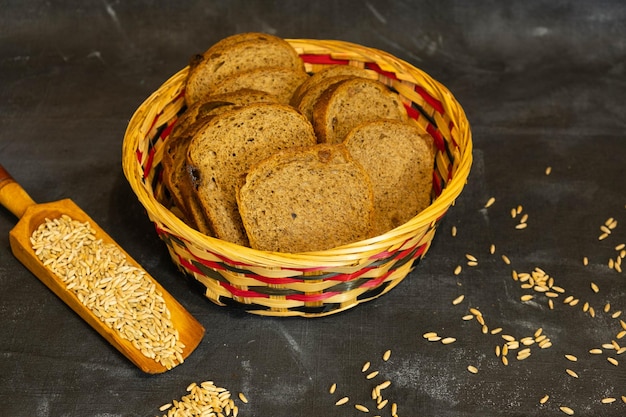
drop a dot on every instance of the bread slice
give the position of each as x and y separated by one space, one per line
228 57
351 102
175 173
399 161
329 72
225 148
306 103
278 81
306 200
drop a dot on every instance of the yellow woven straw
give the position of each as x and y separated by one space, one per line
315 283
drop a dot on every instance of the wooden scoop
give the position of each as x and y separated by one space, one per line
31 215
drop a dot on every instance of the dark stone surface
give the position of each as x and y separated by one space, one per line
543 84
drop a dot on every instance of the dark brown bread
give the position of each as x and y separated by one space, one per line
328 72
278 81
399 161
224 149
228 57
175 173
306 200
352 102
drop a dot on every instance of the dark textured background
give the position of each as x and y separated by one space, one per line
543 84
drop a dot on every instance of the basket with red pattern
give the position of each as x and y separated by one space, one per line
315 283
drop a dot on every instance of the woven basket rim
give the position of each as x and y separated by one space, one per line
348 254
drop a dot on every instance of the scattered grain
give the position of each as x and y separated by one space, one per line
548 170
458 270
492 249
453 231
472 369
505 361
544 399
506 260
594 287
331 390
616 314
387 355
571 358
472 263
165 407
448 340
527 297
427 335
467 317
612 361
475 312
342 401
361 408
521 226
490 202
372 375
567 410
367 364
608 400
458 300
571 373
585 261
496 330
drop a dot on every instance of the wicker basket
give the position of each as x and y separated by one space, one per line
316 283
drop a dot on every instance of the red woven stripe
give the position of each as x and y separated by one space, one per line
412 112
166 132
323 60
188 265
149 161
376 282
349 277
436 184
242 293
436 104
439 142
375 67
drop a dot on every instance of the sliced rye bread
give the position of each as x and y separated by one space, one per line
228 57
351 102
225 148
175 173
328 72
305 200
306 103
278 81
400 163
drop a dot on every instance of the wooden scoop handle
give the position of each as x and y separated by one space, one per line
12 195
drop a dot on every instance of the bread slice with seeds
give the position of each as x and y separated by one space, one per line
231 56
399 161
304 200
225 148
352 102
